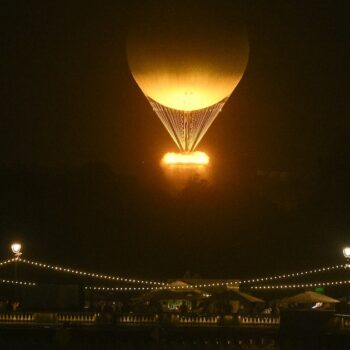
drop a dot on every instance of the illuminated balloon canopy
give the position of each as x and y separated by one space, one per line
187 60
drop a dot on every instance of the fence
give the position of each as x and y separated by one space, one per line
47 318
82 319
16 317
194 320
258 321
137 319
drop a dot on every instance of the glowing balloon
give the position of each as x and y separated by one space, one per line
187 60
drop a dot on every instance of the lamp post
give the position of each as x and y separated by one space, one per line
17 251
346 253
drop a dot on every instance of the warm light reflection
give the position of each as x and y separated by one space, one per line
195 158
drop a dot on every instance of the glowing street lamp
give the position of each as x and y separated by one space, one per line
346 253
16 249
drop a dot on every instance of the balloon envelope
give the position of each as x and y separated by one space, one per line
187 57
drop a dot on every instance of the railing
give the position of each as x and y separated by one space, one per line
16 317
176 320
338 322
48 318
258 321
194 320
77 318
137 319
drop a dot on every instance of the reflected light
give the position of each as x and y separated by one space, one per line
317 305
195 158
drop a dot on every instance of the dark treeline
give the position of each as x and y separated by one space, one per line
93 217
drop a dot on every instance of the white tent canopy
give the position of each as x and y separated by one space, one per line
309 298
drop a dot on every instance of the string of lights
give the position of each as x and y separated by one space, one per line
120 289
118 278
203 285
168 286
303 285
294 274
165 285
142 288
21 283
5 262
259 287
262 279
248 281
88 274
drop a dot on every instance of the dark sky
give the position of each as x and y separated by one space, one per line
79 146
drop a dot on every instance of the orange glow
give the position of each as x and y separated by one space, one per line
189 72
193 158
187 91
182 168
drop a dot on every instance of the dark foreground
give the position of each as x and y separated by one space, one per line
296 331
155 338
71 338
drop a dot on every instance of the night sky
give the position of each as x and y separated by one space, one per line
80 180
